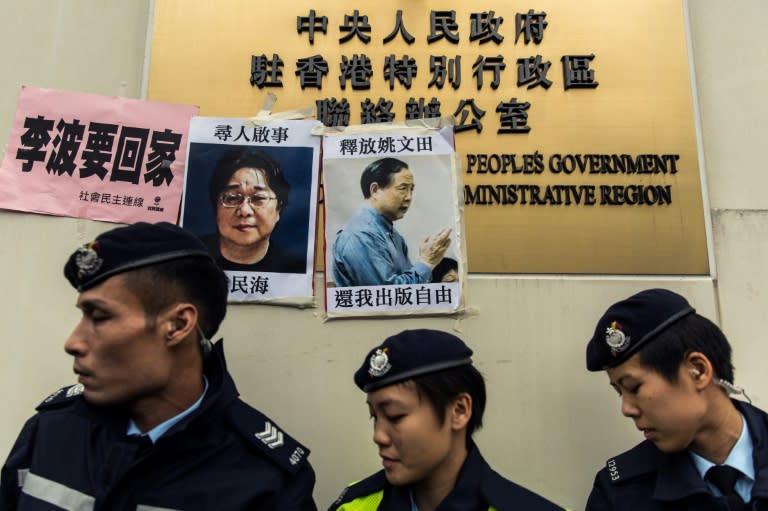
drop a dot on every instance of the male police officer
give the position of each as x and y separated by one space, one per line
155 421
426 399
672 369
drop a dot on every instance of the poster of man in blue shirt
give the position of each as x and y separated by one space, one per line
369 250
392 221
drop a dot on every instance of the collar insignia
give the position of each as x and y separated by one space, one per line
53 396
379 363
617 340
75 390
87 260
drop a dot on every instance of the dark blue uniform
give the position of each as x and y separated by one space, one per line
223 456
478 488
646 479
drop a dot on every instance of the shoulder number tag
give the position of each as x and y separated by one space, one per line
296 456
613 471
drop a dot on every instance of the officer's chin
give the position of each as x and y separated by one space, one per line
95 398
102 399
668 447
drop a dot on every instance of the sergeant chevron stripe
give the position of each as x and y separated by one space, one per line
271 436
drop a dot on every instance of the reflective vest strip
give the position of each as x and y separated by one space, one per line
366 503
56 493
21 475
370 503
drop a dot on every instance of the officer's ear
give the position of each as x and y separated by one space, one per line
460 411
179 322
699 369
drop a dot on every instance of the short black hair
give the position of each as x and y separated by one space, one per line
445 265
380 172
196 280
440 387
236 159
689 334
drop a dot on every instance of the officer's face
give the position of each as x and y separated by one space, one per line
393 201
671 415
118 359
414 447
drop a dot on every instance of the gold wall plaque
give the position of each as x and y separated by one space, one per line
606 179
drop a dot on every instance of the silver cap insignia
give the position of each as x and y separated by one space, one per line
379 363
617 340
87 260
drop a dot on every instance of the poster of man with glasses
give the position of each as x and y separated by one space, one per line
250 194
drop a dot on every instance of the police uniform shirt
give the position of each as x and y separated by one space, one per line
159 430
739 458
414 507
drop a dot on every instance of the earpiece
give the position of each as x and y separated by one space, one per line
696 373
732 389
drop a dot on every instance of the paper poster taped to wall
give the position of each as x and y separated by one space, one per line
251 195
394 241
97 157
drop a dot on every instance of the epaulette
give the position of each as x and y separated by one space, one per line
641 460
266 436
65 395
371 484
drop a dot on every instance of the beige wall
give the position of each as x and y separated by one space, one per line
550 424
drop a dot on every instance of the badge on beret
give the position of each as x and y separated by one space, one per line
617 340
379 363
87 260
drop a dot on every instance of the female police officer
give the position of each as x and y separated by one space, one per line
672 370
426 399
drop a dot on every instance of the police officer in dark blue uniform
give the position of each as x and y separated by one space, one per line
154 421
426 399
672 370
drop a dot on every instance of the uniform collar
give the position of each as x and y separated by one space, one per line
739 458
466 495
677 477
220 390
414 507
757 421
160 429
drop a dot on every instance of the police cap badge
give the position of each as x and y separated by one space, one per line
632 323
409 354
128 248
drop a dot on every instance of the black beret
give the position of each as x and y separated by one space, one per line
128 248
408 354
631 323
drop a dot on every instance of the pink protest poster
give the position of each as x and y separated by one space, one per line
97 157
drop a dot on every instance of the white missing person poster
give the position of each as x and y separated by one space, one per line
250 194
394 239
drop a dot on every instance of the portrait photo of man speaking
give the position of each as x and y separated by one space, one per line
368 249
